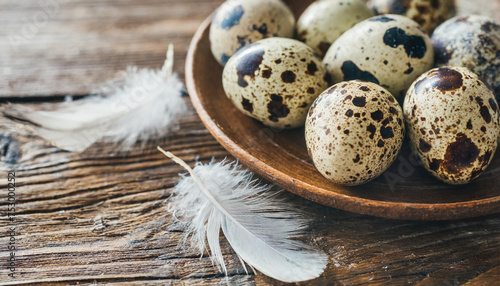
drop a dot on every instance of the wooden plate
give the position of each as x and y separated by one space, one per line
405 191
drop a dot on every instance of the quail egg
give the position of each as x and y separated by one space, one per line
275 80
453 125
429 14
354 131
240 22
472 42
324 21
389 50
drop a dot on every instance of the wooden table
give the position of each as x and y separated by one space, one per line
100 217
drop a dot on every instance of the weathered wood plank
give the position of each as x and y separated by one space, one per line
485 278
60 47
98 217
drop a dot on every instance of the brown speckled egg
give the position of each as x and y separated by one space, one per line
275 81
389 50
452 120
240 22
472 42
324 21
428 13
354 132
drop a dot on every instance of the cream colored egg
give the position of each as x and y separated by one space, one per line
240 22
428 13
354 132
324 21
452 120
389 50
275 81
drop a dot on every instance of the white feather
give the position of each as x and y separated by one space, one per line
259 227
137 105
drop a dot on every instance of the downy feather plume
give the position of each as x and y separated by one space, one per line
138 105
259 227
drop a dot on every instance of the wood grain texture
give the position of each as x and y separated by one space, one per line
281 156
99 217
61 47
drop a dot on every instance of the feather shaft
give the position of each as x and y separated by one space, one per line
258 227
200 184
138 105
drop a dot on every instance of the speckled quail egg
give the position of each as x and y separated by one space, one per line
324 21
389 50
240 22
275 80
428 13
452 120
354 132
472 42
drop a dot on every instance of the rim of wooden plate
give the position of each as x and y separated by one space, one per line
383 209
